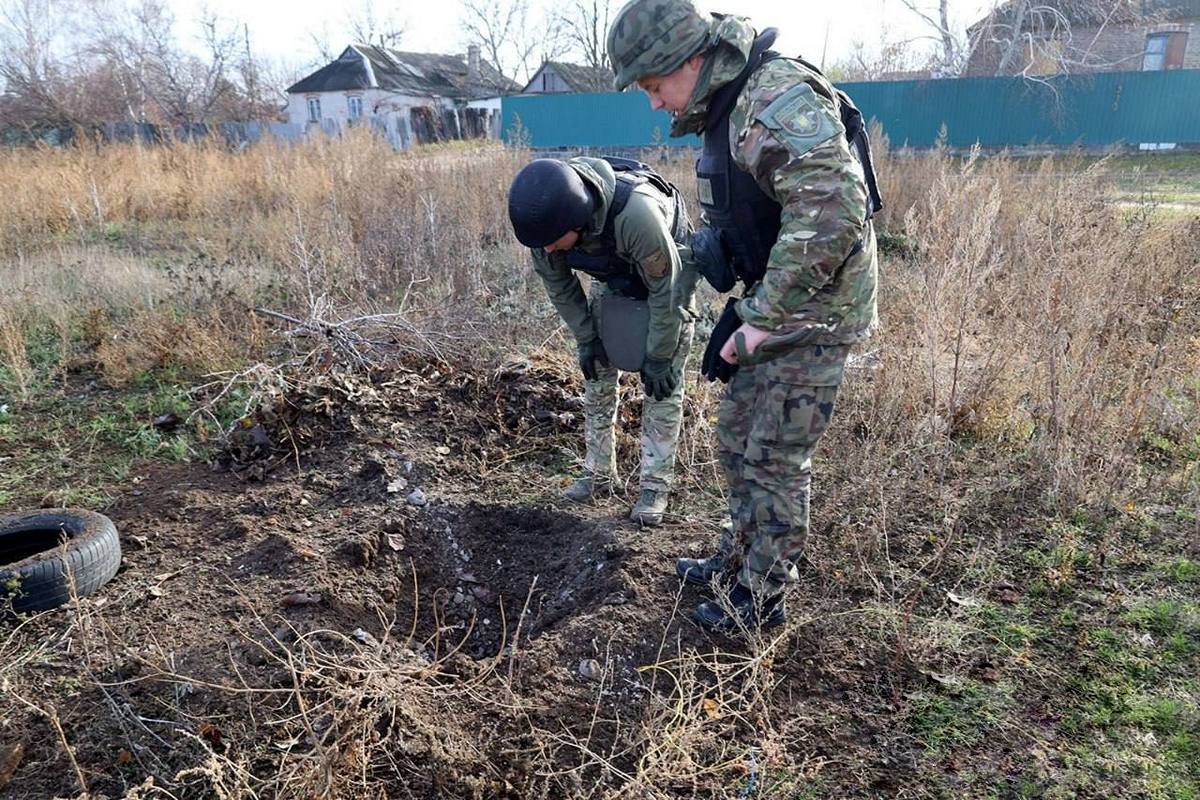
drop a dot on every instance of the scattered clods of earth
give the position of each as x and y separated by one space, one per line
295 619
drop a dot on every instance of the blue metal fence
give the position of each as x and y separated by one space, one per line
1093 111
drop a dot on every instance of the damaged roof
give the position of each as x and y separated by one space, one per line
1092 13
368 67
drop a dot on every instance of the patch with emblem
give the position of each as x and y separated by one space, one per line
704 188
656 265
800 119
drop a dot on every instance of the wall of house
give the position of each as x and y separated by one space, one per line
548 81
1122 48
335 107
1117 48
404 120
481 119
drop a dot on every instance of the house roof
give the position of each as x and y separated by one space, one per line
368 67
579 77
1089 12
1177 9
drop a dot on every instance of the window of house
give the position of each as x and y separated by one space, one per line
1164 51
355 103
314 109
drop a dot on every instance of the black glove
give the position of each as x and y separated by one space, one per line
660 377
591 353
713 366
712 260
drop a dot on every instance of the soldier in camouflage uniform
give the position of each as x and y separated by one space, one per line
787 190
632 250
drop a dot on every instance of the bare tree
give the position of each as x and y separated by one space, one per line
541 39
584 26
494 26
888 59
951 44
1032 38
162 82
370 26
38 63
511 36
94 61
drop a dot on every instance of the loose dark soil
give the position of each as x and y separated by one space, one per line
375 593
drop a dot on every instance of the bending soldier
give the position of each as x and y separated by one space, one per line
787 189
622 224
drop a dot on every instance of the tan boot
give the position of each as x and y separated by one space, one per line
650 507
588 489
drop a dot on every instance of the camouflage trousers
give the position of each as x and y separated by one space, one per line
661 420
770 420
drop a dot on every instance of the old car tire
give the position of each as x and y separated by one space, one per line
41 552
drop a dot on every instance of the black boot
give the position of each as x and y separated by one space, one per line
699 570
744 611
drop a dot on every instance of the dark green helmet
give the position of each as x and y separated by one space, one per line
547 199
654 37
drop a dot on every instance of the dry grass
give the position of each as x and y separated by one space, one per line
1019 308
345 216
1035 336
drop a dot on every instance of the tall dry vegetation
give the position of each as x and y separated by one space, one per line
1035 336
1035 311
343 215
1019 304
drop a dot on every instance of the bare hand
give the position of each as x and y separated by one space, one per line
752 338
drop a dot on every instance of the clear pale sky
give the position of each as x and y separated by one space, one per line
281 29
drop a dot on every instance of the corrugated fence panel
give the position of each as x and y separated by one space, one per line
1089 110
612 119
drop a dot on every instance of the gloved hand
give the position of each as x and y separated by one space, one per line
711 260
713 367
659 377
590 354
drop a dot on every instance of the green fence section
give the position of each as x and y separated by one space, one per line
1088 110
613 120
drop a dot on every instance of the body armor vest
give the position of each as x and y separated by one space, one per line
602 262
748 218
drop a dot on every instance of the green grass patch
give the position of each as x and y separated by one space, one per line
1161 617
953 720
73 448
1183 571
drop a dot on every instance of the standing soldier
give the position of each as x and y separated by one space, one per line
621 223
787 189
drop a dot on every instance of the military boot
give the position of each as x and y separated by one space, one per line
741 609
650 508
700 571
588 488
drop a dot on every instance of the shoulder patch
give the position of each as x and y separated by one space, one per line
800 119
657 265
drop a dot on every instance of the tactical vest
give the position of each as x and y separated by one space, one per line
605 264
749 219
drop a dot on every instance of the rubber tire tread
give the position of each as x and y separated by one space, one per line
93 554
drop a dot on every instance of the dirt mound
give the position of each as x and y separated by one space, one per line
369 604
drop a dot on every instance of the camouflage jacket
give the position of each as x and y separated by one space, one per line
643 237
786 131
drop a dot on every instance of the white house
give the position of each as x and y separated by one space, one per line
410 98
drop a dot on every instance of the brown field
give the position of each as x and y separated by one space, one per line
1001 597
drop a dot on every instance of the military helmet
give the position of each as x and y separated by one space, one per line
547 199
654 37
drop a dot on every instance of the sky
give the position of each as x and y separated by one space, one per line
283 29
